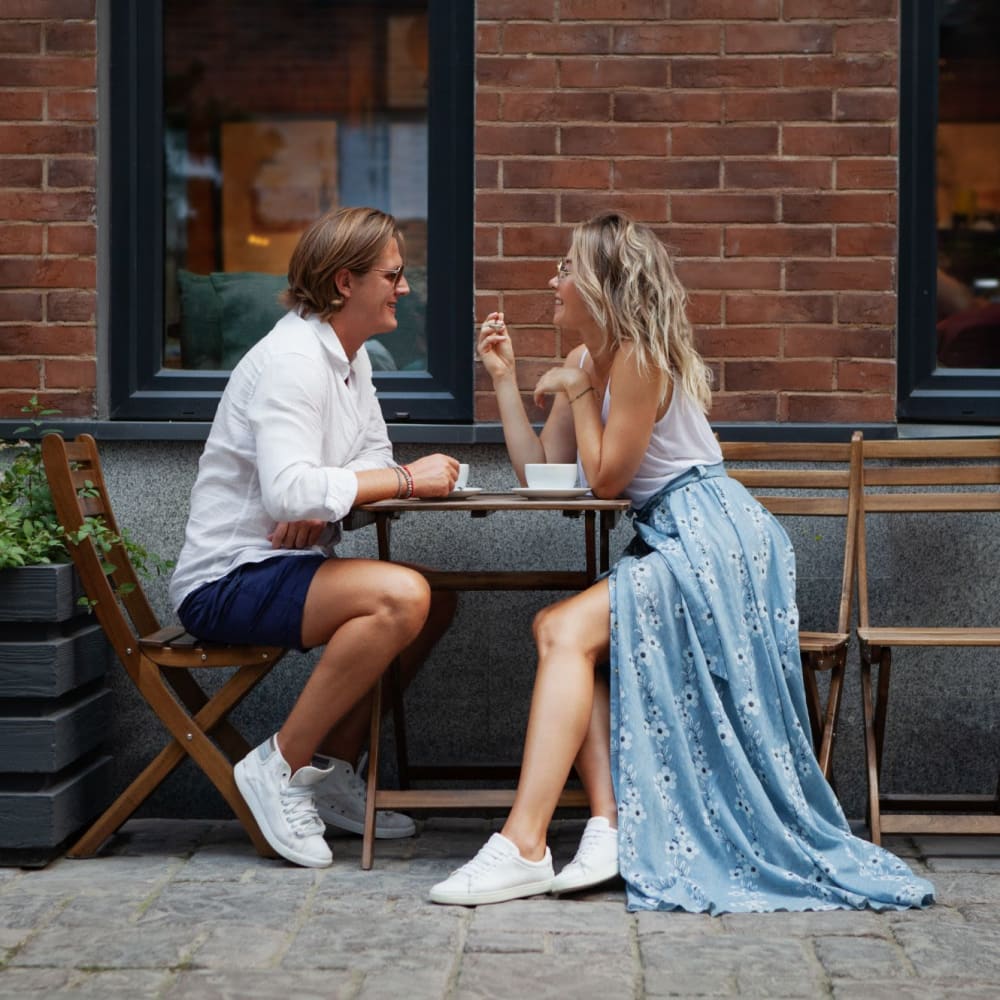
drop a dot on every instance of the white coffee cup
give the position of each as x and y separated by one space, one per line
463 476
550 475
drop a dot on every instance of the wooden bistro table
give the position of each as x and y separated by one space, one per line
597 517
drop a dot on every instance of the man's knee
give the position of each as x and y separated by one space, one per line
406 599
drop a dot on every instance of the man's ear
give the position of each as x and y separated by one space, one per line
344 282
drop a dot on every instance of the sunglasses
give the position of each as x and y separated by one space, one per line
395 272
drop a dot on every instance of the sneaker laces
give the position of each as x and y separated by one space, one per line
590 846
488 857
299 810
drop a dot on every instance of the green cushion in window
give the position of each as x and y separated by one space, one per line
201 321
250 307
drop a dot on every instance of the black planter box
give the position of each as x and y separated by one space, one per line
55 714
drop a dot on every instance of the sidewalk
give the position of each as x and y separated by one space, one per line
186 909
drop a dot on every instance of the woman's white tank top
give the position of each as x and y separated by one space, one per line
681 438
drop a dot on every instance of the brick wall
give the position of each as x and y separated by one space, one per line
759 136
48 271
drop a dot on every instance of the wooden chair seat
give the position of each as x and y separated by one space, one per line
934 477
160 660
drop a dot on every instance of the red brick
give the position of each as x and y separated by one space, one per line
515 72
739 274
853 275
837 10
72 105
611 10
18 374
29 272
20 240
19 38
779 173
635 174
532 342
778 241
705 308
19 307
18 172
779 106
605 73
720 140
866 241
71 173
44 340
838 342
48 71
723 208
69 404
71 307
739 341
515 140
487 38
668 106
487 174
65 373
622 140
867 175
693 241
487 240
78 239
749 376
850 408
524 307
40 10
755 308
555 106
710 10
866 376
21 105
873 37
71 36
35 139
536 241
839 207
760 38
667 39
520 37
876 310
649 208
837 140
839 71
509 10
564 173
513 206
867 106
502 274
487 105
733 408
729 71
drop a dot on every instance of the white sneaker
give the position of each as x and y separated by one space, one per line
596 858
282 803
495 874
340 800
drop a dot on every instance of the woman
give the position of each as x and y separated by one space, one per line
701 778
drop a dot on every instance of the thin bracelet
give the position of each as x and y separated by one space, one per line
589 388
409 482
400 482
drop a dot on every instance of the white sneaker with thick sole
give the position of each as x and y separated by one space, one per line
282 803
340 801
596 859
497 873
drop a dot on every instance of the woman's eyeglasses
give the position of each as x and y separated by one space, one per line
396 273
562 268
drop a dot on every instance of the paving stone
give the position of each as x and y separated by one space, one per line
924 989
485 976
192 902
27 907
545 913
304 984
954 846
821 922
109 947
862 958
16 984
123 984
963 864
422 983
241 946
677 924
506 942
966 951
966 887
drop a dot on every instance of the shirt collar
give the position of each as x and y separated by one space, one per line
332 347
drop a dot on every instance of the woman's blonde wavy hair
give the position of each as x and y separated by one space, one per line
626 278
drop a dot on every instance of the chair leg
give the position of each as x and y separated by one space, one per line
813 704
194 699
871 754
831 716
399 724
368 843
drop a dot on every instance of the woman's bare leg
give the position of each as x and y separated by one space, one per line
573 636
365 612
593 762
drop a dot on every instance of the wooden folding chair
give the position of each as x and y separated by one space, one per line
158 660
911 477
812 480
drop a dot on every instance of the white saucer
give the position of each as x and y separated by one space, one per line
540 494
466 491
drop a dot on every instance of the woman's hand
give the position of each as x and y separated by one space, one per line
494 347
296 534
433 475
571 381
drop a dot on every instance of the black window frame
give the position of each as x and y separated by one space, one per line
140 388
926 392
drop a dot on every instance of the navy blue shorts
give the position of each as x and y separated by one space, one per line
257 603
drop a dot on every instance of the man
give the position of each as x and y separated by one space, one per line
297 441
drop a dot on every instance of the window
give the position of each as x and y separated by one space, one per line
233 126
949 323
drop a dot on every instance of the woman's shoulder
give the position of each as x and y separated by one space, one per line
576 357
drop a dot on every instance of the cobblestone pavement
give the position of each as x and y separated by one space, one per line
186 909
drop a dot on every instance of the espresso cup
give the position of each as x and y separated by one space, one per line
550 475
463 476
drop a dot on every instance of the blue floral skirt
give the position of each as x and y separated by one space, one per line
722 806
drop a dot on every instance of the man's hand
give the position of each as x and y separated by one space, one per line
296 534
433 475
